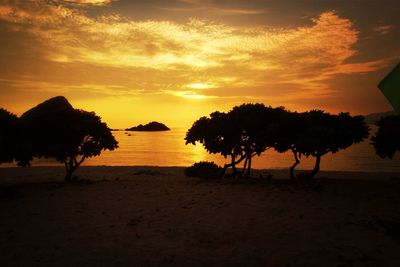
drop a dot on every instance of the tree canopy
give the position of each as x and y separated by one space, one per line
324 133
54 129
386 141
218 135
8 136
289 135
255 124
241 133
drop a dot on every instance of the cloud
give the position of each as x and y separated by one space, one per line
216 10
383 29
176 55
216 7
90 2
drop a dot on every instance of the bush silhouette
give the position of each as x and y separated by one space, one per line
8 136
386 141
54 129
204 169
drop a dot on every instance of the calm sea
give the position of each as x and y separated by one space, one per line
169 149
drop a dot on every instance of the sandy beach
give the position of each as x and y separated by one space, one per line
155 216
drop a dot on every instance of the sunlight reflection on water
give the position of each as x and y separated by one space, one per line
169 149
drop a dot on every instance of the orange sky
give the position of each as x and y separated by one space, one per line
132 62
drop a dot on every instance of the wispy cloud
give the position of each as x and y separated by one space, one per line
216 10
383 29
90 2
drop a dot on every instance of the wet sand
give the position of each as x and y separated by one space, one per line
154 216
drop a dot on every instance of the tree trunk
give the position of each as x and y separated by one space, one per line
244 167
248 172
316 167
292 168
226 166
233 165
68 176
70 166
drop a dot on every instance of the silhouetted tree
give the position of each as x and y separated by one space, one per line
289 135
242 133
54 129
386 141
219 135
250 129
8 136
88 138
326 133
254 123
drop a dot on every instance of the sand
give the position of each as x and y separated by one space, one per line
154 216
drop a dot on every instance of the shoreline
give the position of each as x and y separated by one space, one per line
96 172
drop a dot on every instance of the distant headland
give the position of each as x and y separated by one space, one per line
374 117
149 127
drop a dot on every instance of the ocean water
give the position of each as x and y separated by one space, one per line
169 149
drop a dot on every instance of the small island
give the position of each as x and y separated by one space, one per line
150 127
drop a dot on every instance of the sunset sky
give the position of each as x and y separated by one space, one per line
173 61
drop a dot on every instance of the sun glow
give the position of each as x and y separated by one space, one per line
190 95
199 86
